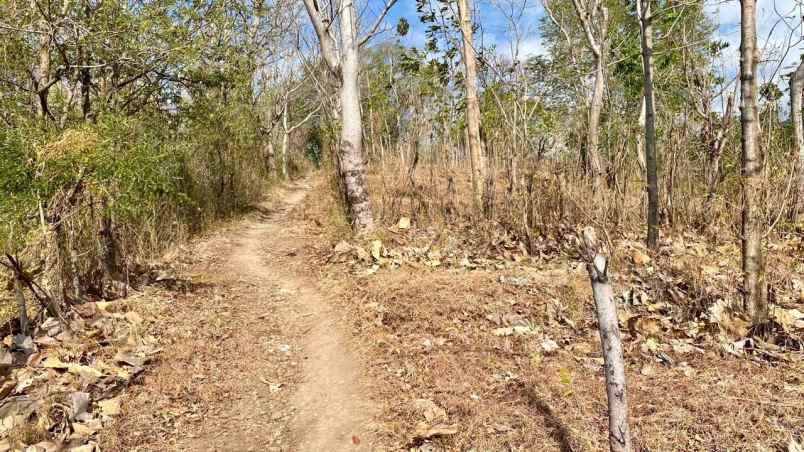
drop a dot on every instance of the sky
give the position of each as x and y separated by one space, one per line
777 21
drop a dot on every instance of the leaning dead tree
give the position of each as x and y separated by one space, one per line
597 266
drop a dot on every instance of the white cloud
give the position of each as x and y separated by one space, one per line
532 47
778 27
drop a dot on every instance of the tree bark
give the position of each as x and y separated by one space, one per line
270 157
285 139
108 250
640 144
796 87
21 305
594 162
593 16
716 152
753 266
43 82
645 21
352 168
476 157
597 266
345 66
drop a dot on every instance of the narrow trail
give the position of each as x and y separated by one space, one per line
266 359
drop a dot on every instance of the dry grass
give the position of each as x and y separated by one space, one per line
429 335
505 393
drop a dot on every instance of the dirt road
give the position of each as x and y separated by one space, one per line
262 361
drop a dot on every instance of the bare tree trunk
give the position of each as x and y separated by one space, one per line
270 156
645 20
594 18
716 152
43 77
476 156
594 162
86 84
21 305
597 266
285 139
345 66
796 87
108 250
640 150
352 167
754 291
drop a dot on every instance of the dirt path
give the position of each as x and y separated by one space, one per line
263 362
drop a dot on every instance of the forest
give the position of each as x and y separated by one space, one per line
420 225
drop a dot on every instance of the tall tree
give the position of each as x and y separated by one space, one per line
343 60
594 18
476 156
796 88
645 21
755 296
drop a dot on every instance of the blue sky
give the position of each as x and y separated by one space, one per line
777 21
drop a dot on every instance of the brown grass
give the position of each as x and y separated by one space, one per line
429 335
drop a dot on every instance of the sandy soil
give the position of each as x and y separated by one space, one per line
255 358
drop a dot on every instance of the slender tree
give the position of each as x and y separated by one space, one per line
476 156
796 87
594 18
755 297
343 60
645 21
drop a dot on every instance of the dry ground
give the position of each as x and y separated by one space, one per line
288 339
254 357
435 312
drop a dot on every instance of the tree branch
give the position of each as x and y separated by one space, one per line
327 43
374 28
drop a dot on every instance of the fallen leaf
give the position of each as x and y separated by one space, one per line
79 402
128 358
134 318
110 407
549 346
85 430
362 254
640 258
404 223
376 249
789 318
6 358
51 362
424 431
45 446
429 410
342 247
512 330
6 387
646 326
514 280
